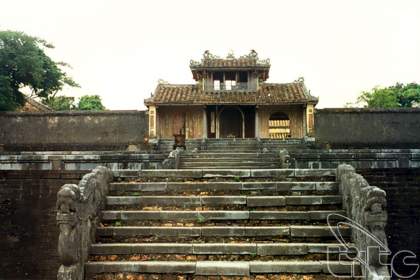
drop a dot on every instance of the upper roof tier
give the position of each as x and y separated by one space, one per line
211 62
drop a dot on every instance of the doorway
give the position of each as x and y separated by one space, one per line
231 123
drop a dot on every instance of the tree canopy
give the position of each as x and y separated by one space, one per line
24 64
396 96
61 103
85 103
91 103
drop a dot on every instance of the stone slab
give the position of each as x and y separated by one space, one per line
279 215
141 267
278 231
223 231
149 231
221 268
223 200
282 249
265 201
140 248
300 267
225 248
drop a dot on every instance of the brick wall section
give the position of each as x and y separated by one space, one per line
73 130
28 243
363 127
403 195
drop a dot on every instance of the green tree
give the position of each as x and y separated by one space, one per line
61 103
396 96
90 103
24 64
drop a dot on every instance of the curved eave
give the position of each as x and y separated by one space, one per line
302 102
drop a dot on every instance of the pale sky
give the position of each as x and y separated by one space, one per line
119 49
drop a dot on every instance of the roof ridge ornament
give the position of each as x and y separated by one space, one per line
230 55
252 57
300 80
208 55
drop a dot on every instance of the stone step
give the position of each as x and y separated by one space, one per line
258 249
230 166
220 268
222 163
218 215
224 173
229 160
293 231
202 201
228 154
272 187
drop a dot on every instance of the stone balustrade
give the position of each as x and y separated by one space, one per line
365 207
78 214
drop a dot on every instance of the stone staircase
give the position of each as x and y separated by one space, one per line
230 154
229 159
210 223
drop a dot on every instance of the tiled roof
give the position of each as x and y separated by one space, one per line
31 105
246 61
267 94
230 63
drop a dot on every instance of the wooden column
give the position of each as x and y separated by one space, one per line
309 119
217 123
243 125
205 123
152 121
257 123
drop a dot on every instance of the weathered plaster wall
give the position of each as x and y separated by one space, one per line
295 114
352 127
29 233
402 186
72 130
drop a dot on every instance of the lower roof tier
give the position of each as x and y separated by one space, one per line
267 94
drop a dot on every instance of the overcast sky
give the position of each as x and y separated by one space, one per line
120 48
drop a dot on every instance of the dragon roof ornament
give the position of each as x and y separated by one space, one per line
252 56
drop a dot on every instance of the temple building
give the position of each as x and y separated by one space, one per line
231 99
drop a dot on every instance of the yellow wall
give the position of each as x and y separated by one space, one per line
295 114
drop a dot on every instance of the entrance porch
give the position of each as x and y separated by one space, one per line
230 121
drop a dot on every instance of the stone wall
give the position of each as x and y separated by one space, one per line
29 233
356 127
358 158
63 131
402 186
80 160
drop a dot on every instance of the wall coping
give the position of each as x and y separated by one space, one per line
71 113
368 110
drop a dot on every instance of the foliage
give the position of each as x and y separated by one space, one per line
90 103
396 96
61 103
65 103
24 64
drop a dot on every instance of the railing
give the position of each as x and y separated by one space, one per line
227 87
78 215
365 206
